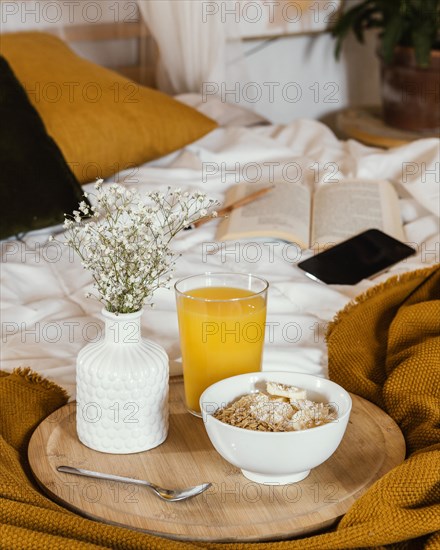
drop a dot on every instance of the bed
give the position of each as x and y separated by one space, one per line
46 318
47 322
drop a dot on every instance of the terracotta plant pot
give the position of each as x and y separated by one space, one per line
411 95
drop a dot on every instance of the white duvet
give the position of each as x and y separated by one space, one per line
46 318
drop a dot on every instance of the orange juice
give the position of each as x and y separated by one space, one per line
221 335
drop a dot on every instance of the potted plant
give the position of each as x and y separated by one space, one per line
409 53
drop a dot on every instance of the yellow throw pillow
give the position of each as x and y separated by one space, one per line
102 122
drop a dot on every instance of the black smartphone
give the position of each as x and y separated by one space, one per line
357 258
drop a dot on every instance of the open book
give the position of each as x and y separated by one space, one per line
293 213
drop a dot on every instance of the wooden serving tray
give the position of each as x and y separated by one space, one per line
234 508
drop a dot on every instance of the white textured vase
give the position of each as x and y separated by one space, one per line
122 389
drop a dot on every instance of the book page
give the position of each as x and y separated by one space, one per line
283 213
344 209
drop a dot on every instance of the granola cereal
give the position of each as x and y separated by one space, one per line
282 409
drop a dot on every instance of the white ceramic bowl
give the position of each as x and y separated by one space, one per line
275 457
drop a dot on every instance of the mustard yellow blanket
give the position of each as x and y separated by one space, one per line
385 347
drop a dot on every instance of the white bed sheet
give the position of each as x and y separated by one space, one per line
46 318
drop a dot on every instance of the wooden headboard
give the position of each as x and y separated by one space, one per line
143 68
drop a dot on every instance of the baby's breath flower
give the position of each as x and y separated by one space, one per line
124 240
84 207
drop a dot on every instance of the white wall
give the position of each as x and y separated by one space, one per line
306 79
286 78
298 75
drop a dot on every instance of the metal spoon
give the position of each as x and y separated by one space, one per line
166 494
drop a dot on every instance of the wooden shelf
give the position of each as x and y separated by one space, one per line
365 124
101 32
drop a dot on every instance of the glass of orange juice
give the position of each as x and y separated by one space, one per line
222 319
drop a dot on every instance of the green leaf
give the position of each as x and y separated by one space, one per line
414 23
351 20
422 48
391 37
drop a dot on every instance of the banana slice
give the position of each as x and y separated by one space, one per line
278 399
284 390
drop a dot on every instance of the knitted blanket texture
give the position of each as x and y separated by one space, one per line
384 347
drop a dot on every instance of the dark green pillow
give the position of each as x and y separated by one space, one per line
36 184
